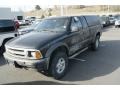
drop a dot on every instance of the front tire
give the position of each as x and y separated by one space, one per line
59 65
2 49
96 43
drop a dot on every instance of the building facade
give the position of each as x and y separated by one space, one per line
6 13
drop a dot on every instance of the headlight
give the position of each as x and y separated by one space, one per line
34 55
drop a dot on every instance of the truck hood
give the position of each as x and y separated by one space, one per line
33 40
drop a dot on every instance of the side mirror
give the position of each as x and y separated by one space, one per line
74 28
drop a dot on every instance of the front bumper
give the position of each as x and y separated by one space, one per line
26 63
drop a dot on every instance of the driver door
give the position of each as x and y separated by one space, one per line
76 36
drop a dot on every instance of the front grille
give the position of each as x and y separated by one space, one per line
16 52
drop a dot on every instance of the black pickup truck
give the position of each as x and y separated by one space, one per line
53 42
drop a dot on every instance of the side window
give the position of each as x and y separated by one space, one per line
76 23
84 23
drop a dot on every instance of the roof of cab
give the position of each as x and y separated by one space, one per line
67 16
58 17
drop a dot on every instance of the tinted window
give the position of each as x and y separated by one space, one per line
53 24
7 25
92 20
83 21
20 17
33 17
35 24
76 21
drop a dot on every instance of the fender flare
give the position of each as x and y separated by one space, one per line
5 40
54 47
51 50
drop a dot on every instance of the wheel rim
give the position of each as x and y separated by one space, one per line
97 43
60 67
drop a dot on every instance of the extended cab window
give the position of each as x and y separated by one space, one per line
92 20
76 23
83 21
53 24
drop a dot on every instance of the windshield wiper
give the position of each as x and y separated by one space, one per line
41 30
48 30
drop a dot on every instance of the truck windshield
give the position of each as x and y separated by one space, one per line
53 24
35 24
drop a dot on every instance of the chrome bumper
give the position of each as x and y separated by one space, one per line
26 62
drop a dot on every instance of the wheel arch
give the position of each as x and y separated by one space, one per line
55 48
3 41
98 33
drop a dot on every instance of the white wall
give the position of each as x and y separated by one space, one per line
5 13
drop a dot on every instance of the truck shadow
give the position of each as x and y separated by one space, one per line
94 64
36 83
107 28
99 63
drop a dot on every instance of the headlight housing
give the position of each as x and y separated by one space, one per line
34 55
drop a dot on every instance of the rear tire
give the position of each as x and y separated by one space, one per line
96 43
59 65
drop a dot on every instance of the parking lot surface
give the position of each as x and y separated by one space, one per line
99 67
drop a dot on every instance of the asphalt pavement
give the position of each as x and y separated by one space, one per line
101 67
